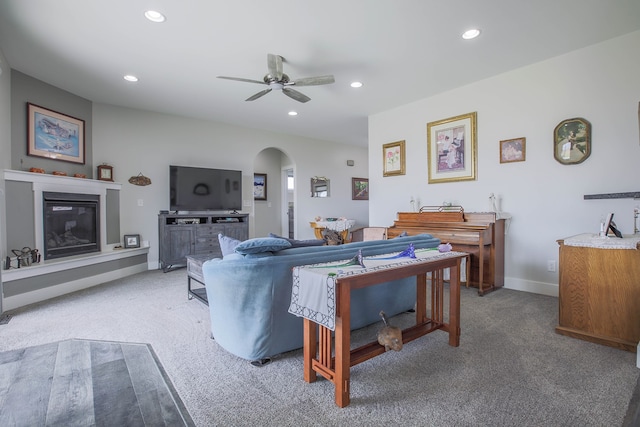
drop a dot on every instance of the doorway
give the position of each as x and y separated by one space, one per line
288 186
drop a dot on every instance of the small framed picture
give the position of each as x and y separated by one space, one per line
513 150
131 240
393 158
359 189
259 186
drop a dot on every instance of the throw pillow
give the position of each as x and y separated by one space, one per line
299 243
227 244
262 244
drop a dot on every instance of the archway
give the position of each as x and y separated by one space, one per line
276 212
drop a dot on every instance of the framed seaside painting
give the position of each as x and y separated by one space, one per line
54 135
393 159
451 147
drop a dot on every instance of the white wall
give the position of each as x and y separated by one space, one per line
136 141
599 83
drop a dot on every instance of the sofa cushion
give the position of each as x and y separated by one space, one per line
262 244
227 244
300 243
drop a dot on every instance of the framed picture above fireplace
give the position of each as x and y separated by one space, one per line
54 135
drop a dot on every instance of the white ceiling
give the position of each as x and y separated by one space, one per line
402 50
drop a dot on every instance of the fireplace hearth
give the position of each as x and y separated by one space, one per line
71 224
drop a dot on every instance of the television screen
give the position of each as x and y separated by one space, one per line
202 189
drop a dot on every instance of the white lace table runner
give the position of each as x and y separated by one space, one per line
339 225
589 240
313 293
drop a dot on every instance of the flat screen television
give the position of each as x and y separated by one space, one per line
195 189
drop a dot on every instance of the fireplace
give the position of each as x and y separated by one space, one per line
71 224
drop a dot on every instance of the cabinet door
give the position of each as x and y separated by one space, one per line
178 243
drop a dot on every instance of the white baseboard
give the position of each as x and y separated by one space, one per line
54 291
517 284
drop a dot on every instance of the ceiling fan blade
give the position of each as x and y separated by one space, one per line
239 79
274 64
314 81
258 95
294 94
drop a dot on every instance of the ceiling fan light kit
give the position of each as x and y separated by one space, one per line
276 79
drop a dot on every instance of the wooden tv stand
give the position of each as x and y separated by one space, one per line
481 234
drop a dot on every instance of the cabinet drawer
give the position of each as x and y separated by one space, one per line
209 230
458 237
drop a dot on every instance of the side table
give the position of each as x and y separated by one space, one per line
194 272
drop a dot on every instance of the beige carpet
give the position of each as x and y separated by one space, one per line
510 369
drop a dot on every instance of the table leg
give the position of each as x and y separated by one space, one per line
343 345
454 305
421 298
309 349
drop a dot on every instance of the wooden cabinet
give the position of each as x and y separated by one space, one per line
181 235
481 234
599 295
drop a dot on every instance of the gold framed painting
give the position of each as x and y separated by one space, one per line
452 149
513 150
393 158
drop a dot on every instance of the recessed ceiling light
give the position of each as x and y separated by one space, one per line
471 34
356 84
130 78
154 16
293 113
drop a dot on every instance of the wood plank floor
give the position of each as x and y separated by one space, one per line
87 383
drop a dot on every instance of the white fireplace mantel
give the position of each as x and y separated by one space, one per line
63 184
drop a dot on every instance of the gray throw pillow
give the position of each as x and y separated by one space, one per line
227 244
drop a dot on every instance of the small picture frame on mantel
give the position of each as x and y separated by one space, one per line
105 172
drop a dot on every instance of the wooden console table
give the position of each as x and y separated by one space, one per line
599 295
481 234
317 354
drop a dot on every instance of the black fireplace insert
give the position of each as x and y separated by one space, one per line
71 224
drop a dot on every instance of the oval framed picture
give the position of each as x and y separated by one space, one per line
572 141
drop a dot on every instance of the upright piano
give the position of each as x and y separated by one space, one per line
481 234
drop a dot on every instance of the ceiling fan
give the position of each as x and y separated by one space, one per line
277 80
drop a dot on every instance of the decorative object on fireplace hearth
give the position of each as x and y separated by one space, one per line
25 256
131 241
140 180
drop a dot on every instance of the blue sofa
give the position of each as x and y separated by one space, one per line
249 295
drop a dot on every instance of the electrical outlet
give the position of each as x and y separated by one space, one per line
551 265
140 202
